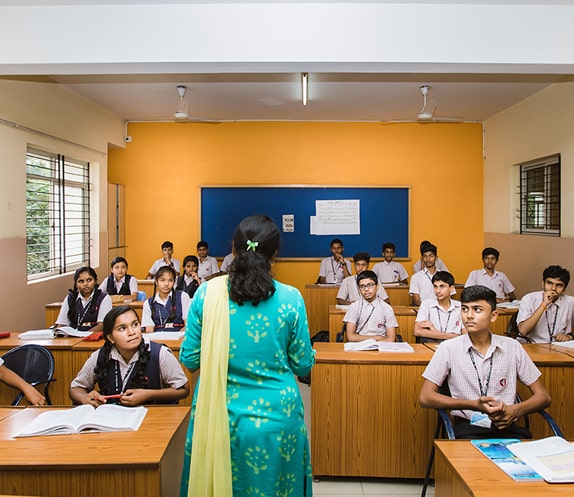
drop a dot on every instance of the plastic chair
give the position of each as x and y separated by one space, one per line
34 364
445 429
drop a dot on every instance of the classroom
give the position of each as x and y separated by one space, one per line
468 170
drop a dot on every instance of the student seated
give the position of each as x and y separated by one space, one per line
389 271
189 281
421 287
86 306
439 318
227 260
127 367
13 380
119 282
349 291
370 316
167 309
482 370
547 315
417 266
166 260
208 267
336 268
491 278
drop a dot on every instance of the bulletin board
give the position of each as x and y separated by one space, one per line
383 216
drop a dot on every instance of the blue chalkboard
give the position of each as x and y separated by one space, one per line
384 216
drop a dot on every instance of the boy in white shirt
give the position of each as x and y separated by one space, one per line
417 266
547 316
421 283
489 277
349 291
166 260
336 268
370 317
439 318
389 271
208 267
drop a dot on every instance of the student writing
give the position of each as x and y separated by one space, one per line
134 371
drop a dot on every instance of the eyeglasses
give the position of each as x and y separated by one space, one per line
366 286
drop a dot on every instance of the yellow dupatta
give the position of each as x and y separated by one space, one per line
210 471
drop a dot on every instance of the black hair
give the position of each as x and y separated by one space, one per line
190 258
362 256
428 248
368 275
202 243
490 251
423 243
73 293
101 371
389 245
117 260
336 240
166 244
160 271
256 242
557 272
443 276
478 292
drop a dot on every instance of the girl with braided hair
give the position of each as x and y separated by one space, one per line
86 305
127 369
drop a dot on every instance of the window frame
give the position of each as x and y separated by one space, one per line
60 186
546 201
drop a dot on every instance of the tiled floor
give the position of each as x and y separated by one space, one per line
342 487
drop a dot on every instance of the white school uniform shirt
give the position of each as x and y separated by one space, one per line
147 320
207 267
557 318
421 283
452 360
105 307
160 262
350 291
332 270
440 266
371 318
390 272
133 284
228 259
498 282
446 321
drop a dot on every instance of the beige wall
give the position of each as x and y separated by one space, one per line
536 127
55 111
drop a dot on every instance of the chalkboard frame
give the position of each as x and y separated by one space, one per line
384 212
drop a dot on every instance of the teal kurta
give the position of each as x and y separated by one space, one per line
269 344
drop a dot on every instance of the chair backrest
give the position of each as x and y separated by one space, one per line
141 296
512 326
33 363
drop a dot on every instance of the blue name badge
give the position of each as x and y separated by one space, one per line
480 419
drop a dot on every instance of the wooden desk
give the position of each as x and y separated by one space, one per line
461 471
146 286
365 415
146 463
366 419
53 310
405 317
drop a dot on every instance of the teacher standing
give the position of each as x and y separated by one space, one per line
249 336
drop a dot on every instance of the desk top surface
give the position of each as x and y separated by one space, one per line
485 479
144 447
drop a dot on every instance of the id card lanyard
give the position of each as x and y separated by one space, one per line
551 329
85 311
367 320
483 388
440 321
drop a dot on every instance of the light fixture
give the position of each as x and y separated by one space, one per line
181 112
305 86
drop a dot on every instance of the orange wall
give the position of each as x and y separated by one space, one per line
166 163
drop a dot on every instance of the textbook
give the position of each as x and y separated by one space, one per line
61 331
552 458
496 449
569 344
372 344
515 304
85 418
160 336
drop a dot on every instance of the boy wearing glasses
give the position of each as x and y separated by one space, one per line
370 316
349 291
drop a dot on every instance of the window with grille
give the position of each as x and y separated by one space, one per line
57 214
540 196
